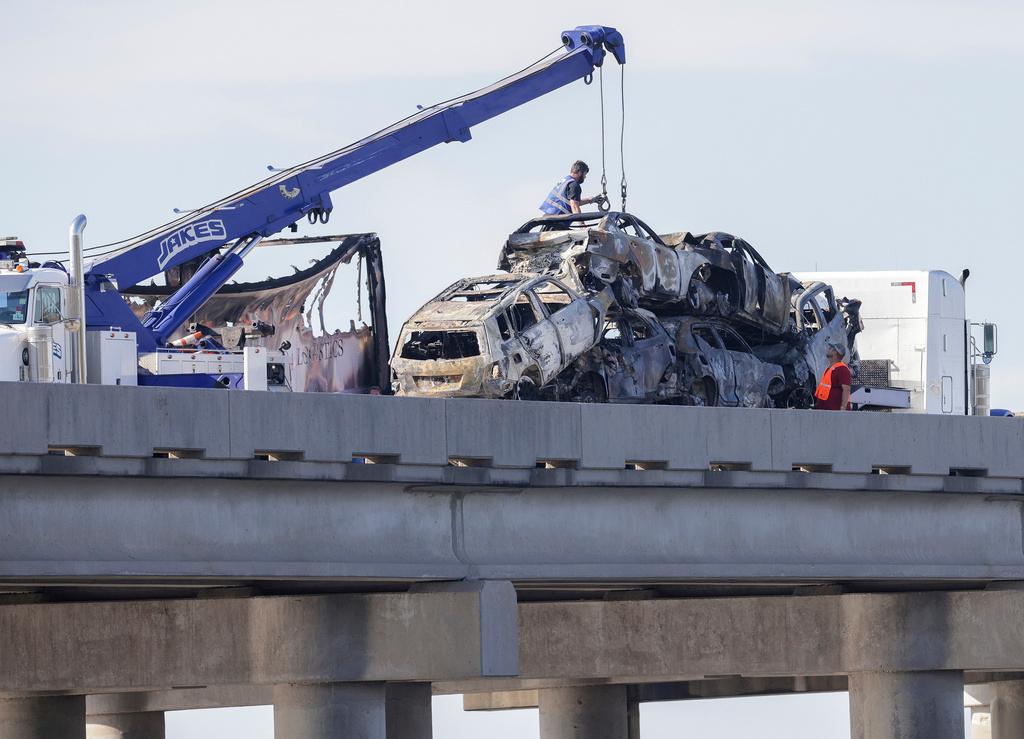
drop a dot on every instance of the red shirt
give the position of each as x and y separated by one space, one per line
837 375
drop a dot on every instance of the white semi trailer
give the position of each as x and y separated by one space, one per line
917 336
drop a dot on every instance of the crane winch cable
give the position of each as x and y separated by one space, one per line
622 134
623 187
604 175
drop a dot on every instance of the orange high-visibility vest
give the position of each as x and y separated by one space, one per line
825 386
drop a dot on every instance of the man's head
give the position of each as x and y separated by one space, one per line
579 170
835 351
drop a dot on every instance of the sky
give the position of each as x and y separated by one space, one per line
831 135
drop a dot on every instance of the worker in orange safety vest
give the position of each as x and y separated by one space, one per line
833 392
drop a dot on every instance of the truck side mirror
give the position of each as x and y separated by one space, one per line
990 343
72 324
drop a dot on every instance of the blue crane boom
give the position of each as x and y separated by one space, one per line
279 201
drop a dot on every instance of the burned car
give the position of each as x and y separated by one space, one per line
634 362
817 320
496 336
717 367
685 360
739 284
595 250
708 274
598 307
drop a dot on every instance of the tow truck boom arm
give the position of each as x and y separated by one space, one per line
304 191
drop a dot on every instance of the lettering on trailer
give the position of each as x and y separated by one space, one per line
321 350
911 285
193 234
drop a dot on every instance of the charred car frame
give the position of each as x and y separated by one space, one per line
598 307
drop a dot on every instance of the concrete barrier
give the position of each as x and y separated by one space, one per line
128 422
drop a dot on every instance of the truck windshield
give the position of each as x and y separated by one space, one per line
13 306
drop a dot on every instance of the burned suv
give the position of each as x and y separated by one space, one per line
496 336
685 360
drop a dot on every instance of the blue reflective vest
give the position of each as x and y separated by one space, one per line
556 202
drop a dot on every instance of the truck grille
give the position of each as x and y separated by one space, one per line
875 372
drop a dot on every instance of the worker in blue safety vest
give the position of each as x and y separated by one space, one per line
566 195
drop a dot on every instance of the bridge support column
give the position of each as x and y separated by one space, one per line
632 715
907 705
407 711
1007 710
591 712
330 710
43 718
142 725
981 722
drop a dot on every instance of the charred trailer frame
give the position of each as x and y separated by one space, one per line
209 320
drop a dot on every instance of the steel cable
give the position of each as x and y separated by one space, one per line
292 170
604 174
622 133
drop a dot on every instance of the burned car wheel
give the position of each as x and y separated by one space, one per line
777 396
590 389
800 398
705 392
526 389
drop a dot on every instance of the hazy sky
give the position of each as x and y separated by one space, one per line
831 135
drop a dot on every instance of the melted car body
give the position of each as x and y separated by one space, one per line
607 249
598 307
718 367
496 336
634 362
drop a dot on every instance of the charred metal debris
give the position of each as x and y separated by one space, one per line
288 312
597 307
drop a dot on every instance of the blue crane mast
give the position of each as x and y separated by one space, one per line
240 221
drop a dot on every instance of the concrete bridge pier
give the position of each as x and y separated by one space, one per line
584 712
43 717
407 711
981 722
907 705
142 725
330 710
1007 710
365 710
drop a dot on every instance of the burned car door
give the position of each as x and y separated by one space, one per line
565 329
620 375
635 353
819 322
653 352
764 295
533 340
752 376
572 317
720 363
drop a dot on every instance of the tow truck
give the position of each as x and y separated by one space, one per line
61 325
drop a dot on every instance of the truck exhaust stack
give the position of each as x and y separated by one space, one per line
78 293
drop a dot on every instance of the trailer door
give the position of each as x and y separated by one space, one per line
947 394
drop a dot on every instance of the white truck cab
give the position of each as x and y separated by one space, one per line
916 333
34 319
39 323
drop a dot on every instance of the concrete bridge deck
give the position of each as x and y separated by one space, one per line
344 556
108 487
